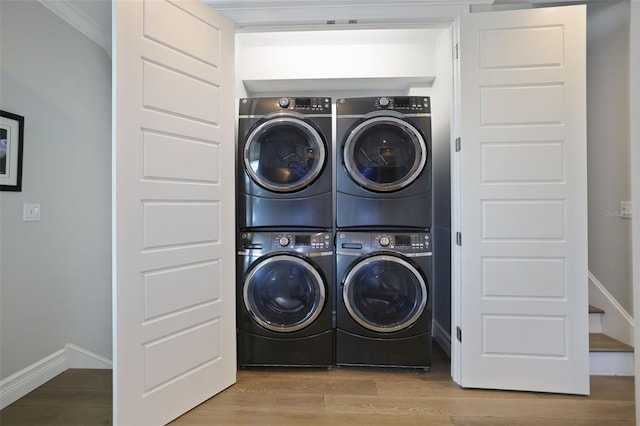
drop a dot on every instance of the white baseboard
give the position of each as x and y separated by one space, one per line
78 357
443 337
615 322
28 379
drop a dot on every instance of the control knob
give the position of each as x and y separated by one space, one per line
385 241
284 241
384 102
283 102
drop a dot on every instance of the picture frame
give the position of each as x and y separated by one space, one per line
11 144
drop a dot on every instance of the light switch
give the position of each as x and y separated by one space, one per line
30 212
626 209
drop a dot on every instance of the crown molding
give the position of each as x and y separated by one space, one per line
80 21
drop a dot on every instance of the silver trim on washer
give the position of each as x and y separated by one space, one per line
412 115
282 328
377 258
259 253
318 254
280 119
304 113
416 167
361 253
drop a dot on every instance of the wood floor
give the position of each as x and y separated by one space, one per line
340 396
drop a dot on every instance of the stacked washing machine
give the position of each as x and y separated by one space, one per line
383 222
349 285
285 262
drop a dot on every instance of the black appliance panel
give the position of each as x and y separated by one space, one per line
284 163
285 298
384 177
384 301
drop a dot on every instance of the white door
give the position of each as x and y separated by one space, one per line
520 271
173 186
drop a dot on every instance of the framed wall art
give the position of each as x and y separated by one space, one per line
11 140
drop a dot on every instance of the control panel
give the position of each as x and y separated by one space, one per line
404 104
410 242
302 242
303 105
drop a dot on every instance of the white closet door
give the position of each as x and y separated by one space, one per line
173 186
522 202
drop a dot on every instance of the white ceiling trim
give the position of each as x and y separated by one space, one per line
249 14
80 21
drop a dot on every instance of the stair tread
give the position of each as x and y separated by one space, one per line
595 310
599 342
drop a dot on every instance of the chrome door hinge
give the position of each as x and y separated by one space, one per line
459 238
459 334
458 145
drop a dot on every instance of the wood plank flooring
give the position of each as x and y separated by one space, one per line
339 396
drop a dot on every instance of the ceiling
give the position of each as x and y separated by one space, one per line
93 18
256 15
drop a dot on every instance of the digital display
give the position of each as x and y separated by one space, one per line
402 102
403 241
303 102
303 240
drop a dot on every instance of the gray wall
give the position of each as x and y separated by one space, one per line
608 146
55 274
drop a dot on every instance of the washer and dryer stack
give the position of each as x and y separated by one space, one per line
285 286
383 219
361 296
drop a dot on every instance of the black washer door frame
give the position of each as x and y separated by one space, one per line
389 182
290 171
290 303
384 299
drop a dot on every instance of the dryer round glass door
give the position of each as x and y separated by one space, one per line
384 154
384 293
284 293
284 154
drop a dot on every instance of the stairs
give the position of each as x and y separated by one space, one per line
607 356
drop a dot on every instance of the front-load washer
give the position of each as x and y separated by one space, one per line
285 163
384 179
384 299
285 293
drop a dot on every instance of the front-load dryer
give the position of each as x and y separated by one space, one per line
384 179
384 299
285 293
285 163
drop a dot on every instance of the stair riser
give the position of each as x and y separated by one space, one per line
595 323
611 363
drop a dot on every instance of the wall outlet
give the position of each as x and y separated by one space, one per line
626 209
30 212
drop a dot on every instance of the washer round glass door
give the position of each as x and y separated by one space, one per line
384 154
284 153
284 293
384 293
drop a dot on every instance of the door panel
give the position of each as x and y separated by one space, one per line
174 293
521 268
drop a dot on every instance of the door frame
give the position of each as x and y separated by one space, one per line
634 138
